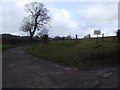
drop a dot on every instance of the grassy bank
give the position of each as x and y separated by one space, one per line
83 52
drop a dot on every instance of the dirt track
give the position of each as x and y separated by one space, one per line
22 70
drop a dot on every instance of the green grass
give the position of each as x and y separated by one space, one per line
4 47
0 47
83 52
7 46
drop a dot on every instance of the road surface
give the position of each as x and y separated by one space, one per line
22 70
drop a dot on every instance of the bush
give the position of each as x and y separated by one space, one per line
118 34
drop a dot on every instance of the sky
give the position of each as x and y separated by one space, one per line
67 17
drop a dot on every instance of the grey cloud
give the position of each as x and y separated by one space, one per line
12 18
100 16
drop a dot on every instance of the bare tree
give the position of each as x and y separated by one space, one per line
37 19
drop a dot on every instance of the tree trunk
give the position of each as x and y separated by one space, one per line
31 37
45 39
97 39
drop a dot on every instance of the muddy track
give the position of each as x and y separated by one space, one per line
22 70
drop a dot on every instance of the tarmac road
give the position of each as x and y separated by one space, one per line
22 70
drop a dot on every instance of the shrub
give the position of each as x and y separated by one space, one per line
118 34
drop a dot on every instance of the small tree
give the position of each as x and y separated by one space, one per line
118 34
103 37
97 32
37 19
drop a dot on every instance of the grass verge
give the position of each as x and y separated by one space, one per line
4 47
83 52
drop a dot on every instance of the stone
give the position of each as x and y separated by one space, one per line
91 84
107 75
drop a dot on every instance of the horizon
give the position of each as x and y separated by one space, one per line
74 37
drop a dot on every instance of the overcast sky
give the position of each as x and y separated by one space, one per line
72 18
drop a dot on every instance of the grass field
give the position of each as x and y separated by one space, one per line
83 52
